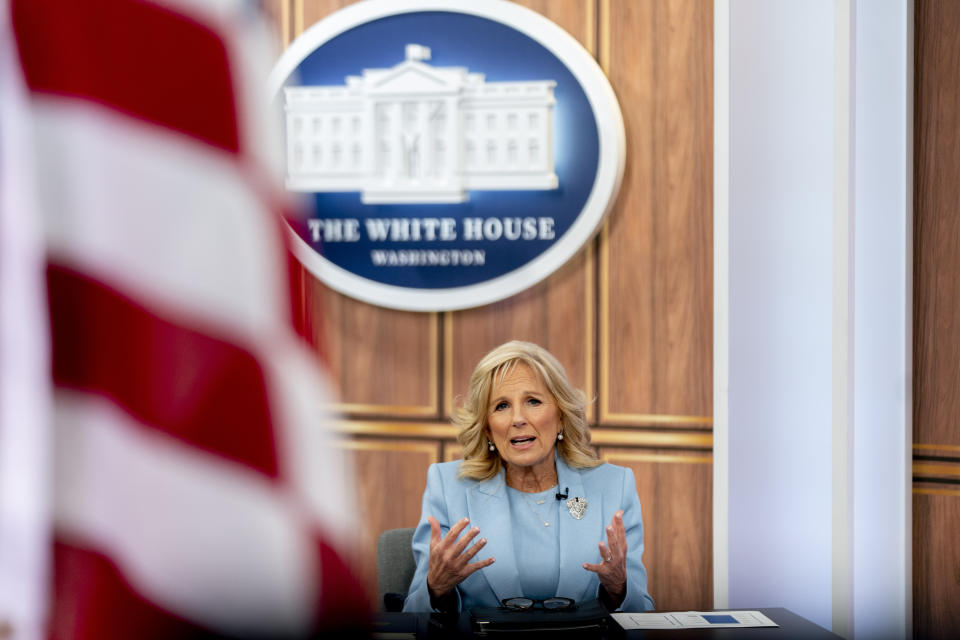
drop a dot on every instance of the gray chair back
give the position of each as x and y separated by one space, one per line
395 567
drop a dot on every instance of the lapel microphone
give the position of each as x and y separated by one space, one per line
563 496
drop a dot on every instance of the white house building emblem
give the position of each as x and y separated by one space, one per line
452 153
420 134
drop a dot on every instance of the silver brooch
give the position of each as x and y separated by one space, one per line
577 506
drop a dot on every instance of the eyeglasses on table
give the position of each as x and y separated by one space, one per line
550 604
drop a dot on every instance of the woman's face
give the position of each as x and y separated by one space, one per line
523 419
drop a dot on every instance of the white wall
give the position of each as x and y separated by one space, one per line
812 298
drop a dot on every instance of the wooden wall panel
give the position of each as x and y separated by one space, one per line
936 287
936 328
390 478
306 12
452 451
656 252
676 495
936 564
385 362
577 17
557 313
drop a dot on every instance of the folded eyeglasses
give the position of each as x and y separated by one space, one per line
550 604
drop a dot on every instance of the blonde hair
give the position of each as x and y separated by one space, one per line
479 463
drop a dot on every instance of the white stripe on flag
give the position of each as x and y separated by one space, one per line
159 217
195 534
320 472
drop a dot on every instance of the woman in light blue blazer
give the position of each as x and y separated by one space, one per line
531 511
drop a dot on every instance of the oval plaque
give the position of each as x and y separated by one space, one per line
457 153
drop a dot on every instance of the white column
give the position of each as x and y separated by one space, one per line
882 326
812 335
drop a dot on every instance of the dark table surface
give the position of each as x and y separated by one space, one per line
433 625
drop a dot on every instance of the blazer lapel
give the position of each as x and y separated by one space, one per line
578 538
489 509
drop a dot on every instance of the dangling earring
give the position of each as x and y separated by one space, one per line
560 436
490 445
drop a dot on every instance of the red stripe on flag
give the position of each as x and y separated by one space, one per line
343 600
92 601
134 57
189 385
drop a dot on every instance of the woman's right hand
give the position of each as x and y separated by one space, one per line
449 557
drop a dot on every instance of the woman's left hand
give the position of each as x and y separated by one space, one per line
612 569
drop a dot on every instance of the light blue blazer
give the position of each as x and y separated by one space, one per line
606 488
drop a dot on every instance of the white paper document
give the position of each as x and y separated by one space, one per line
693 620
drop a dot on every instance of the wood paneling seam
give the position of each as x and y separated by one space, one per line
656 457
383 409
448 400
934 447
659 419
389 445
435 364
936 492
936 470
298 19
590 340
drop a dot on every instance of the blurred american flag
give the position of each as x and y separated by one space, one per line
164 467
